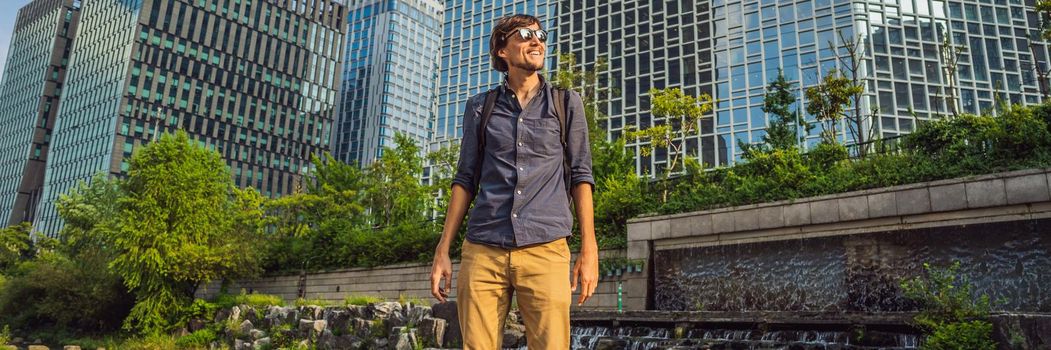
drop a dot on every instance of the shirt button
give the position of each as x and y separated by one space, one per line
514 215
519 120
520 168
519 191
519 143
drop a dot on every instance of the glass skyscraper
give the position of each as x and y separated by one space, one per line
29 100
254 80
733 49
389 76
465 70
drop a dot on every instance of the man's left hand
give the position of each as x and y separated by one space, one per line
585 271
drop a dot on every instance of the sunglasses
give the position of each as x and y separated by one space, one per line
527 34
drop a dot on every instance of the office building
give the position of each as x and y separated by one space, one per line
29 100
389 76
253 80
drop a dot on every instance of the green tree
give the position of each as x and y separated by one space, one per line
828 101
950 311
682 115
394 193
782 133
182 223
15 244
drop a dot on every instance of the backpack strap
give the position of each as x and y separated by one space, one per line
560 96
487 112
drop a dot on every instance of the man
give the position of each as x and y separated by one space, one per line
517 174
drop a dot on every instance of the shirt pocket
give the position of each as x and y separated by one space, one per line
544 136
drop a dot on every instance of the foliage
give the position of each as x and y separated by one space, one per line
829 99
361 300
950 312
782 132
312 302
5 335
15 244
182 222
198 339
255 300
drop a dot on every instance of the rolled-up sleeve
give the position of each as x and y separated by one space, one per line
578 146
466 167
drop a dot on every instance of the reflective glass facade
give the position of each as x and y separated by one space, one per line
733 49
389 76
254 80
464 68
29 97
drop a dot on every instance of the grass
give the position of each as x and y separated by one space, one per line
415 300
258 301
313 302
361 300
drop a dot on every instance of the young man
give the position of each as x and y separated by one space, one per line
517 174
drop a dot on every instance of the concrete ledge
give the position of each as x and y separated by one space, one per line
908 204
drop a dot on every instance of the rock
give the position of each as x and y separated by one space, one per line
8 347
235 313
611 344
359 311
195 325
17 340
276 316
246 327
71 347
242 345
432 331
379 343
38 347
416 313
361 328
311 312
404 341
338 320
385 310
305 326
320 326
514 317
514 336
257 334
447 312
262 343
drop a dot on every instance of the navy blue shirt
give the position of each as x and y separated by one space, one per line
522 198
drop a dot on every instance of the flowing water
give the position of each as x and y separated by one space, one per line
650 338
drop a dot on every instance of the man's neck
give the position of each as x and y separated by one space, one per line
522 82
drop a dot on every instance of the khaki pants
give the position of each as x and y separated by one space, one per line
538 274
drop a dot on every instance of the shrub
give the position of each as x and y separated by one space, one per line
1020 134
972 335
199 338
312 302
361 300
258 301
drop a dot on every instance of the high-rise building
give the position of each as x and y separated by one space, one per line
29 99
389 76
464 69
254 80
732 49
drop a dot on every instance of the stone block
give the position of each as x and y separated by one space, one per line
432 331
948 197
634 288
771 217
722 222
447 311
660 229
797 214
882 205
853 208
701 224
71 347
826 211
680 227
638 250
914 201
746 220
1027 189
639 231
986 193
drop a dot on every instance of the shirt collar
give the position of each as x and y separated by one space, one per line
543 83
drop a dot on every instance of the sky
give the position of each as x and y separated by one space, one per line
7 25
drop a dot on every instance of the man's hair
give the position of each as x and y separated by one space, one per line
498 38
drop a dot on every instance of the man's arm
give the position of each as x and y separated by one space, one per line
442 266
578 149
464 183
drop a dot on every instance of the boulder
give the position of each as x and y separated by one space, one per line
385 310
235 313
71 347
246 328
242 345
359 311
261 343
195 324
256 334
404 340
338 320
277 315
416 313
514 336
447 311
38 347
361 328
311 312
432 331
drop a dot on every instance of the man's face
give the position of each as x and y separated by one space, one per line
524 54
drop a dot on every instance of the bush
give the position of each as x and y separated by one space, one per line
973 335
1020 134
257 301
361 300
198 339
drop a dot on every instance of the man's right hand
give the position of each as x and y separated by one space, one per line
442 268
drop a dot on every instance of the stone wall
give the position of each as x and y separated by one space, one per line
392 282
828 243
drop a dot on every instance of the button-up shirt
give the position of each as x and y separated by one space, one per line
522 198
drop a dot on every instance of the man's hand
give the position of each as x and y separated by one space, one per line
586 271
442 268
